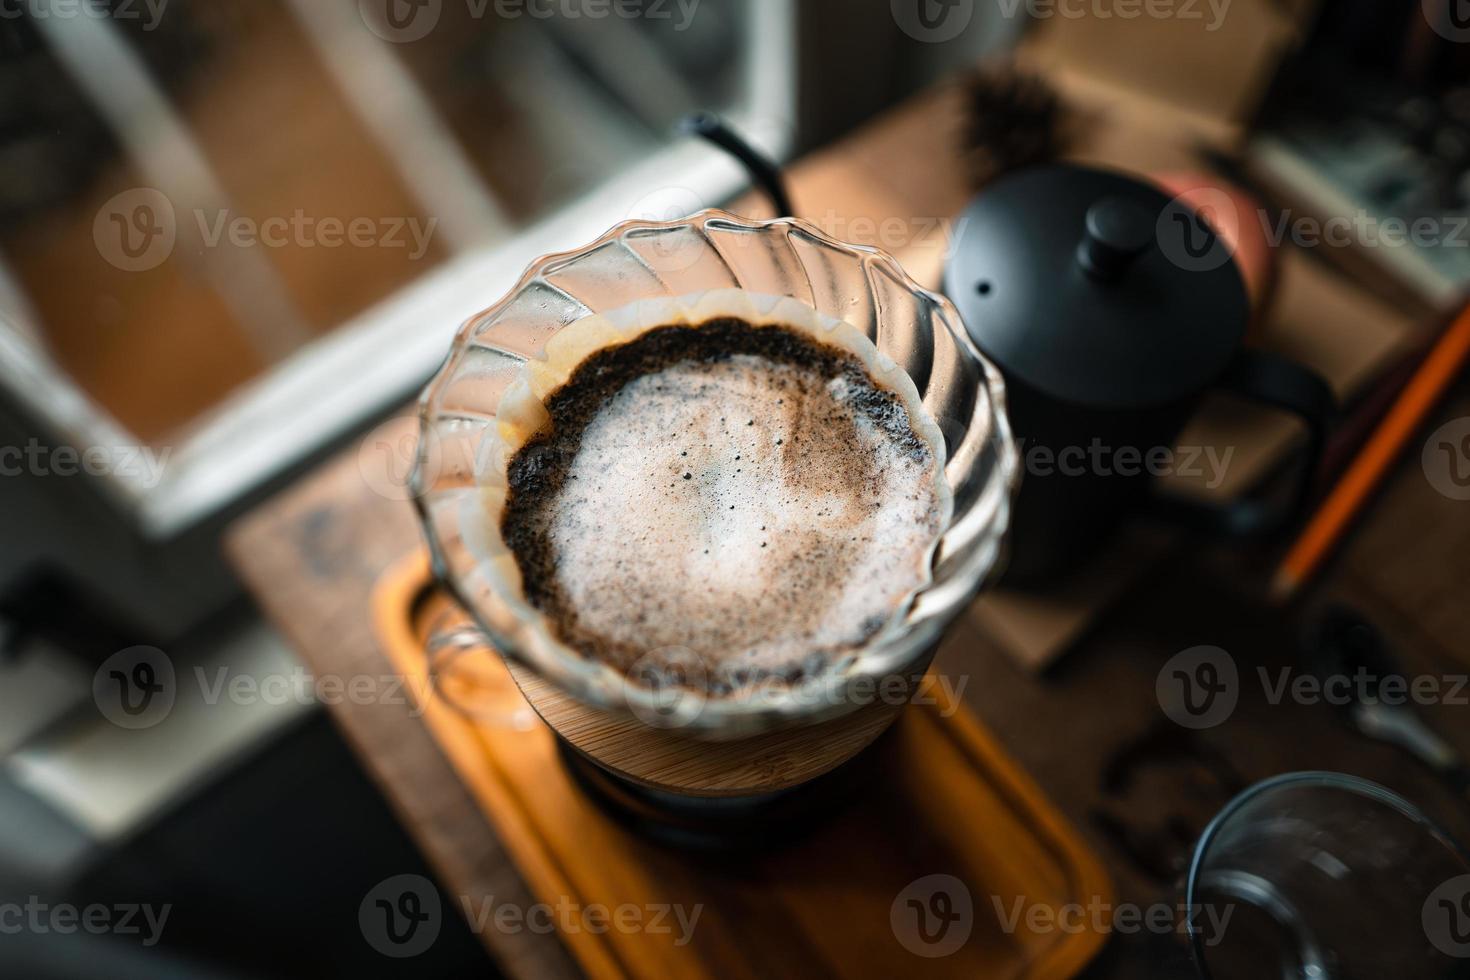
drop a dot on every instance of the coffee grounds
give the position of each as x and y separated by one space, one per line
744 493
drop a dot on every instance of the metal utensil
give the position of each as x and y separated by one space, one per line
1344 643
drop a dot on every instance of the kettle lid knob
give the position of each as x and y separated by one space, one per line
1117 231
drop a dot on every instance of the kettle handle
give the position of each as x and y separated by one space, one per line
1280 383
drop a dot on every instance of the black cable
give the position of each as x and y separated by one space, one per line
763 171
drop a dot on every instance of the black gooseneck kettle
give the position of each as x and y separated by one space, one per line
1111 309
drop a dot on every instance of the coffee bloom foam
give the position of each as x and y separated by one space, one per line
766 562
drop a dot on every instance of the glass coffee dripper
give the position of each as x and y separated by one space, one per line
646 260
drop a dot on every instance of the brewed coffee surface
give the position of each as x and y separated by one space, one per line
742 492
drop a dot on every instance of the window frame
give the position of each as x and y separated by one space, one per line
384 354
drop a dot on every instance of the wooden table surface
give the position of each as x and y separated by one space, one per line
312 554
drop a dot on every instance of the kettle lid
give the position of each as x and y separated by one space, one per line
1095 287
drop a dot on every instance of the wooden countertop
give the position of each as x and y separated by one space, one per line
312 555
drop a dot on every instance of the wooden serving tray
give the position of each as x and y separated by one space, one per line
842 900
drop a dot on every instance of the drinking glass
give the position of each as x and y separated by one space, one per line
1326 876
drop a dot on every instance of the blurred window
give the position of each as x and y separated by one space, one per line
200 198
